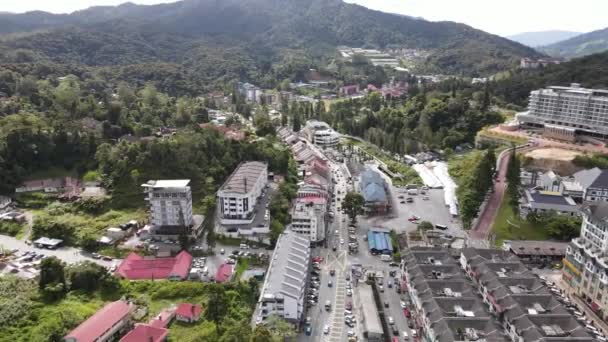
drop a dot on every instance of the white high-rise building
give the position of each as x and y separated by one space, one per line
566 111
239 194
308 218
170 202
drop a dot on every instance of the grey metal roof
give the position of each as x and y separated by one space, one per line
371 320
552 199
587 177
244 177
288 267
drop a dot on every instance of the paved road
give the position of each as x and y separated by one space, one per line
69 255
487 217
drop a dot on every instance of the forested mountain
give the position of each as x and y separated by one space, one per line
542 38
263 29
590 71
582 45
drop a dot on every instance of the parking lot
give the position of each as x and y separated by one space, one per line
433 210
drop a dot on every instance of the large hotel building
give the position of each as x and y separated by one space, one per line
565 112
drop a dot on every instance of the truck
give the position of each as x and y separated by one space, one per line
385 257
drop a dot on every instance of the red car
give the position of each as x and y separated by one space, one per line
317 259
407 313
414 218
349 306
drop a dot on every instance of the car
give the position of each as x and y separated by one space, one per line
347 276
334 248
106 258
350 333
95 256
414 334
395 331
312 302
348 306
407 312
381 288
413 218
341 241
326 329
223 251
230 261
391 321
308 331
349 292
332 272
393 264
308 320
386 303
330 284
403 305
318 259
409 200
426 198
389 284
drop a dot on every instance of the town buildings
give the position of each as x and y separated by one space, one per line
527 309
308 218
250 92
594 183
170 203
446 304
373 187
484 294
321 134
536 252
137 267
284 289
529 63
238 196
539 202
105 325
586 263
565 112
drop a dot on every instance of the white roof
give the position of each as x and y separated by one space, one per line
167 183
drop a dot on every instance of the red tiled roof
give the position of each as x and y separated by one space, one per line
145 333
135 267
100 322
163 319
224 273
188 310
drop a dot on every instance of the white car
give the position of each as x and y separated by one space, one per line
222 251
403 305
391 321
349 292
326 330
341 241
351 333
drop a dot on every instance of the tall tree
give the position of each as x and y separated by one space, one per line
297 125
513 179
216 308
353 205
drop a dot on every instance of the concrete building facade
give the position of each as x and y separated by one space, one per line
239 194
586 263
170 203
567 111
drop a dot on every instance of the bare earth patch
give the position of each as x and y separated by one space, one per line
553 154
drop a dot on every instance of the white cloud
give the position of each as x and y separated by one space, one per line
504 17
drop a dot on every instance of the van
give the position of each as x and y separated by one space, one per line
412 192
441 227
385 257
243 246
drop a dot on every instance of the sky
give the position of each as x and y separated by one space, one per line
502 17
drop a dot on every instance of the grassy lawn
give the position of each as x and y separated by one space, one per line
241 267
410 176
95 225
518 230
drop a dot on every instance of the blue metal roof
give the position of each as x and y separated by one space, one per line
379 241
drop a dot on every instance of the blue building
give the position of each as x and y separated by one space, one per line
379 241
373 188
